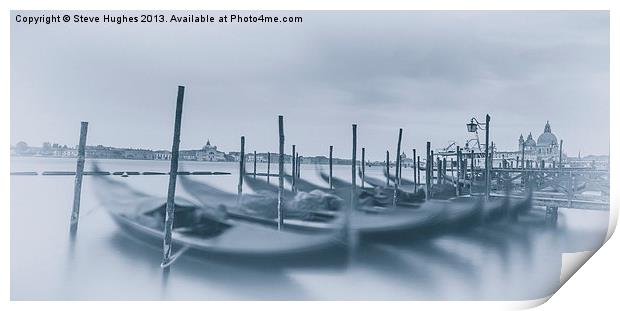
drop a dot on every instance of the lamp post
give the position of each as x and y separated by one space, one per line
472 127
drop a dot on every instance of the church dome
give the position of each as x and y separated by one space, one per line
547 138
530 141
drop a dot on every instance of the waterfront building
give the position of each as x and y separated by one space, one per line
546 147
98 152
162 155
210 153
137 154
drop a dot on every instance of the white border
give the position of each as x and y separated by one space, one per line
595 284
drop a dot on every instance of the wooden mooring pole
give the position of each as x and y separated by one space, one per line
458 171
281 173
415 177
487 164
350 235
331 167
353 179
398 168
174 166
473 174
452 171
387 167
268 166
439 172
428 170
432 167
363 166
444 171
293 168
418 171
561 145
79 171
254 164
241 169
463 170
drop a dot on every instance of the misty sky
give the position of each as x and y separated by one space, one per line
427 72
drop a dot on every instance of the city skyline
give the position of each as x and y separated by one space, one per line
407 152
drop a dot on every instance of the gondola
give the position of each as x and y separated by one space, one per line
378 194
367 218
304 212
459 212
204 230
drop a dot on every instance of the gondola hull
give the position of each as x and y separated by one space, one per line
240 240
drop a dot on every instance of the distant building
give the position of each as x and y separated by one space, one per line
405 161
546 147
98 152
207 153
233 156
69 153
162 155
137 154
210 153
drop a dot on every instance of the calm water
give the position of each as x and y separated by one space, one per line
517 261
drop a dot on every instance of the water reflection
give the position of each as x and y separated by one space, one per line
258 279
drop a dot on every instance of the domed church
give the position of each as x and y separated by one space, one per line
546 147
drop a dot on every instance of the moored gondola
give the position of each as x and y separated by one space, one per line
207 230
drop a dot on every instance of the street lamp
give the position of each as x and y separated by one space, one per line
472 127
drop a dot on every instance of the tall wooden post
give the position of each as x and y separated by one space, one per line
241 169
473 174
293 169
172 181
254 164
458 171
491 157
415 177
418 170
463 165
428 170
268 167
432 167
561 145
445 170
387 167
363 166
353 182
452 170
487 183
439 172
281 173
331 168
77 185
398 168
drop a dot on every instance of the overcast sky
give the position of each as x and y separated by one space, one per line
427 72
